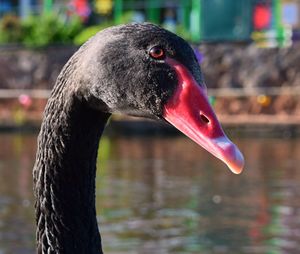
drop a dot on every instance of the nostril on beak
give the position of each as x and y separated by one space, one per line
204 119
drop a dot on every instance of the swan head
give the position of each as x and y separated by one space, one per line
144 70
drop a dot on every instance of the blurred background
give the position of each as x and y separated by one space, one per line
158 192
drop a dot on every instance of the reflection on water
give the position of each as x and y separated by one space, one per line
166 195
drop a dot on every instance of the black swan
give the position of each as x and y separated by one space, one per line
134 69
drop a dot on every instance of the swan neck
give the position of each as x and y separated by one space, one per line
64 176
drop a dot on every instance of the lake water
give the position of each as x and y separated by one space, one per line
167 195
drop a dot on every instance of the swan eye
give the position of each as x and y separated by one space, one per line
157 53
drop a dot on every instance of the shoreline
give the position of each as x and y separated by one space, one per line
263 125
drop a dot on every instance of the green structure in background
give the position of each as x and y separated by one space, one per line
152 10
118 11
47 6
196 20
208 20
153 13
185 14
228 20
190 13
280 33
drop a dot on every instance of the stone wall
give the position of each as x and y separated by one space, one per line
224 65
32 69
244 66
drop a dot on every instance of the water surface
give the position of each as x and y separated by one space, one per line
167 195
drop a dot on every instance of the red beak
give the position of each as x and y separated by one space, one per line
190 112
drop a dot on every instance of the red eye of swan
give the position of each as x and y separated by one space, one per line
157 53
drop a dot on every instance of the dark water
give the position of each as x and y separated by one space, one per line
166 195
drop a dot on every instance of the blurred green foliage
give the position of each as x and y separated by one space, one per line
10 29
39 31
90 31
182 32
54 28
